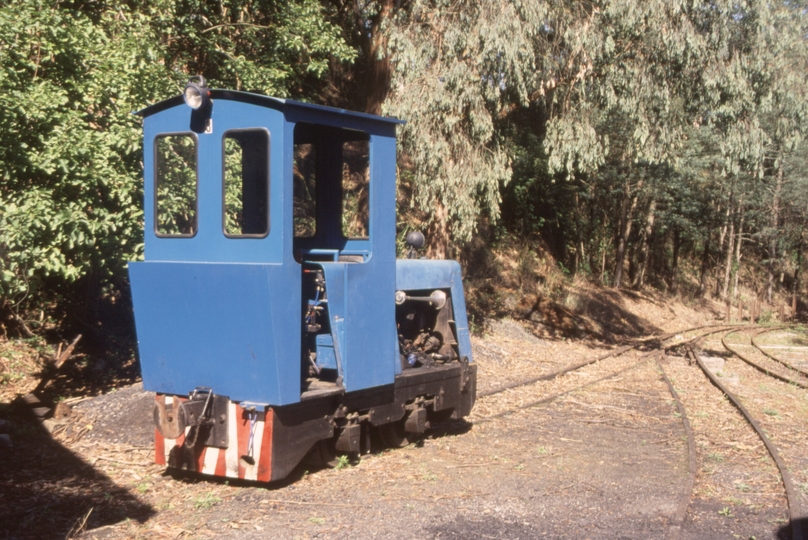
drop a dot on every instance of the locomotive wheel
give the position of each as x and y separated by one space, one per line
437 417
394 435
322 454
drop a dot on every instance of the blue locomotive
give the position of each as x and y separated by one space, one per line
273 318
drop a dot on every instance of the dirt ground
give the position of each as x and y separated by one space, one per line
606 457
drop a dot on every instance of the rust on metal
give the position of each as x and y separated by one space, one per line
795 514
170 422
675 527
766 353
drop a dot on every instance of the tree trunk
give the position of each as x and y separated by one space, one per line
627 208
579 245
602 247
723 231
603 266
705 259
645 245
738 243
795 287
728 260
380 72
437 236
773 241
677 243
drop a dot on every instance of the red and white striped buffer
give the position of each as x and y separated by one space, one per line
227 462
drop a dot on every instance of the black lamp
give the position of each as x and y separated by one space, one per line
197 93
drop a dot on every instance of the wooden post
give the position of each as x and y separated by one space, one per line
740 311
728 314
794 306
782 312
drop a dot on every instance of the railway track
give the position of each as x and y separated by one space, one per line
769 365
658 349
773 357
797 515
676 523
611 354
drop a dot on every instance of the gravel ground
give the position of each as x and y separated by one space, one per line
606 459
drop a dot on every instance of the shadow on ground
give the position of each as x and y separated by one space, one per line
797 529
607 307
46 491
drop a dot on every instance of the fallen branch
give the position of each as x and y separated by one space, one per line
23 327
473 465
279 501
118 461
65 356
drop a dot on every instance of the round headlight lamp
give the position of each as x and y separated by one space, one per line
196 93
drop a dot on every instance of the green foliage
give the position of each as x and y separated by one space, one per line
69 151
453 69
673 108
206 501
70 155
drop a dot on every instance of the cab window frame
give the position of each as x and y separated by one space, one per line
268 182
156 183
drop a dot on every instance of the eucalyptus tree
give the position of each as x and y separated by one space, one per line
457 68
764 121
659 67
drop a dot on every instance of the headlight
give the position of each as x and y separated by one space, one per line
196 93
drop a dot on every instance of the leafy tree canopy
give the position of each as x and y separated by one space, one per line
71 73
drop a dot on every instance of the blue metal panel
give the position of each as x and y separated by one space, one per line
325 351
210 244
232 327
195 319
361 311
417 274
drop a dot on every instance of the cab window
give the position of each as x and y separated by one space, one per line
246 183
305 205
176 186
355 188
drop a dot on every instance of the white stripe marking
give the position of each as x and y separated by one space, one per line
211 457
168 444
251 471
231 455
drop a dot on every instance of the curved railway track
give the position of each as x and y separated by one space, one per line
773 357
677 521
611 354
796 514
800 380
661 349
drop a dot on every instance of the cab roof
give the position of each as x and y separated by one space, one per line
265 101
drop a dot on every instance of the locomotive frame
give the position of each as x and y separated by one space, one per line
272 327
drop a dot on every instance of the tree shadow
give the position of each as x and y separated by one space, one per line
786 532
606 308
46 491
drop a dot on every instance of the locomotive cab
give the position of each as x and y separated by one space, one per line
273 318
